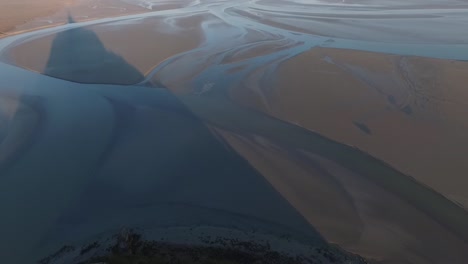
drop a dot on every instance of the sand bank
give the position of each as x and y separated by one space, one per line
18 12
380 21
407 111
78 180
347 209
106 54
26 15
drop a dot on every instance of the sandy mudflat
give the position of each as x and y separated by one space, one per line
380 21
347 209
102 54
160 166
24 15
18 12
407 111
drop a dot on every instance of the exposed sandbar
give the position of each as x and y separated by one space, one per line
106 53
348 210
414 109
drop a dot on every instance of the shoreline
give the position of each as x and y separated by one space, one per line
80 10
51 54
17 16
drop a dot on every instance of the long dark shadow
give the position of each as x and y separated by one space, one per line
79 55
163 166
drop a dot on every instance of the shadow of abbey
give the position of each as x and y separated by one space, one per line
78 55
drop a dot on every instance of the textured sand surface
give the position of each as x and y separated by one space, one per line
307 121
24 15
407 111
100 55
18 12
343 206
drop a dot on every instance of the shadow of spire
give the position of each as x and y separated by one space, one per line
70 18
163 167
79 55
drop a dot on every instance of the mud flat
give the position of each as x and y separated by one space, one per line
410 110
406 111
379 21
165 189
86 10
102 54
384 202
349 210
262 130
26 15
15 13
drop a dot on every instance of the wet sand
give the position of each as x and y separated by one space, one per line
250 92
342 205
380 21
442 216
86 10
15 13
27 15
412 109
157 187
98 54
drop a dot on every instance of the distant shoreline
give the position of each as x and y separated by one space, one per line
47 15
14 15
